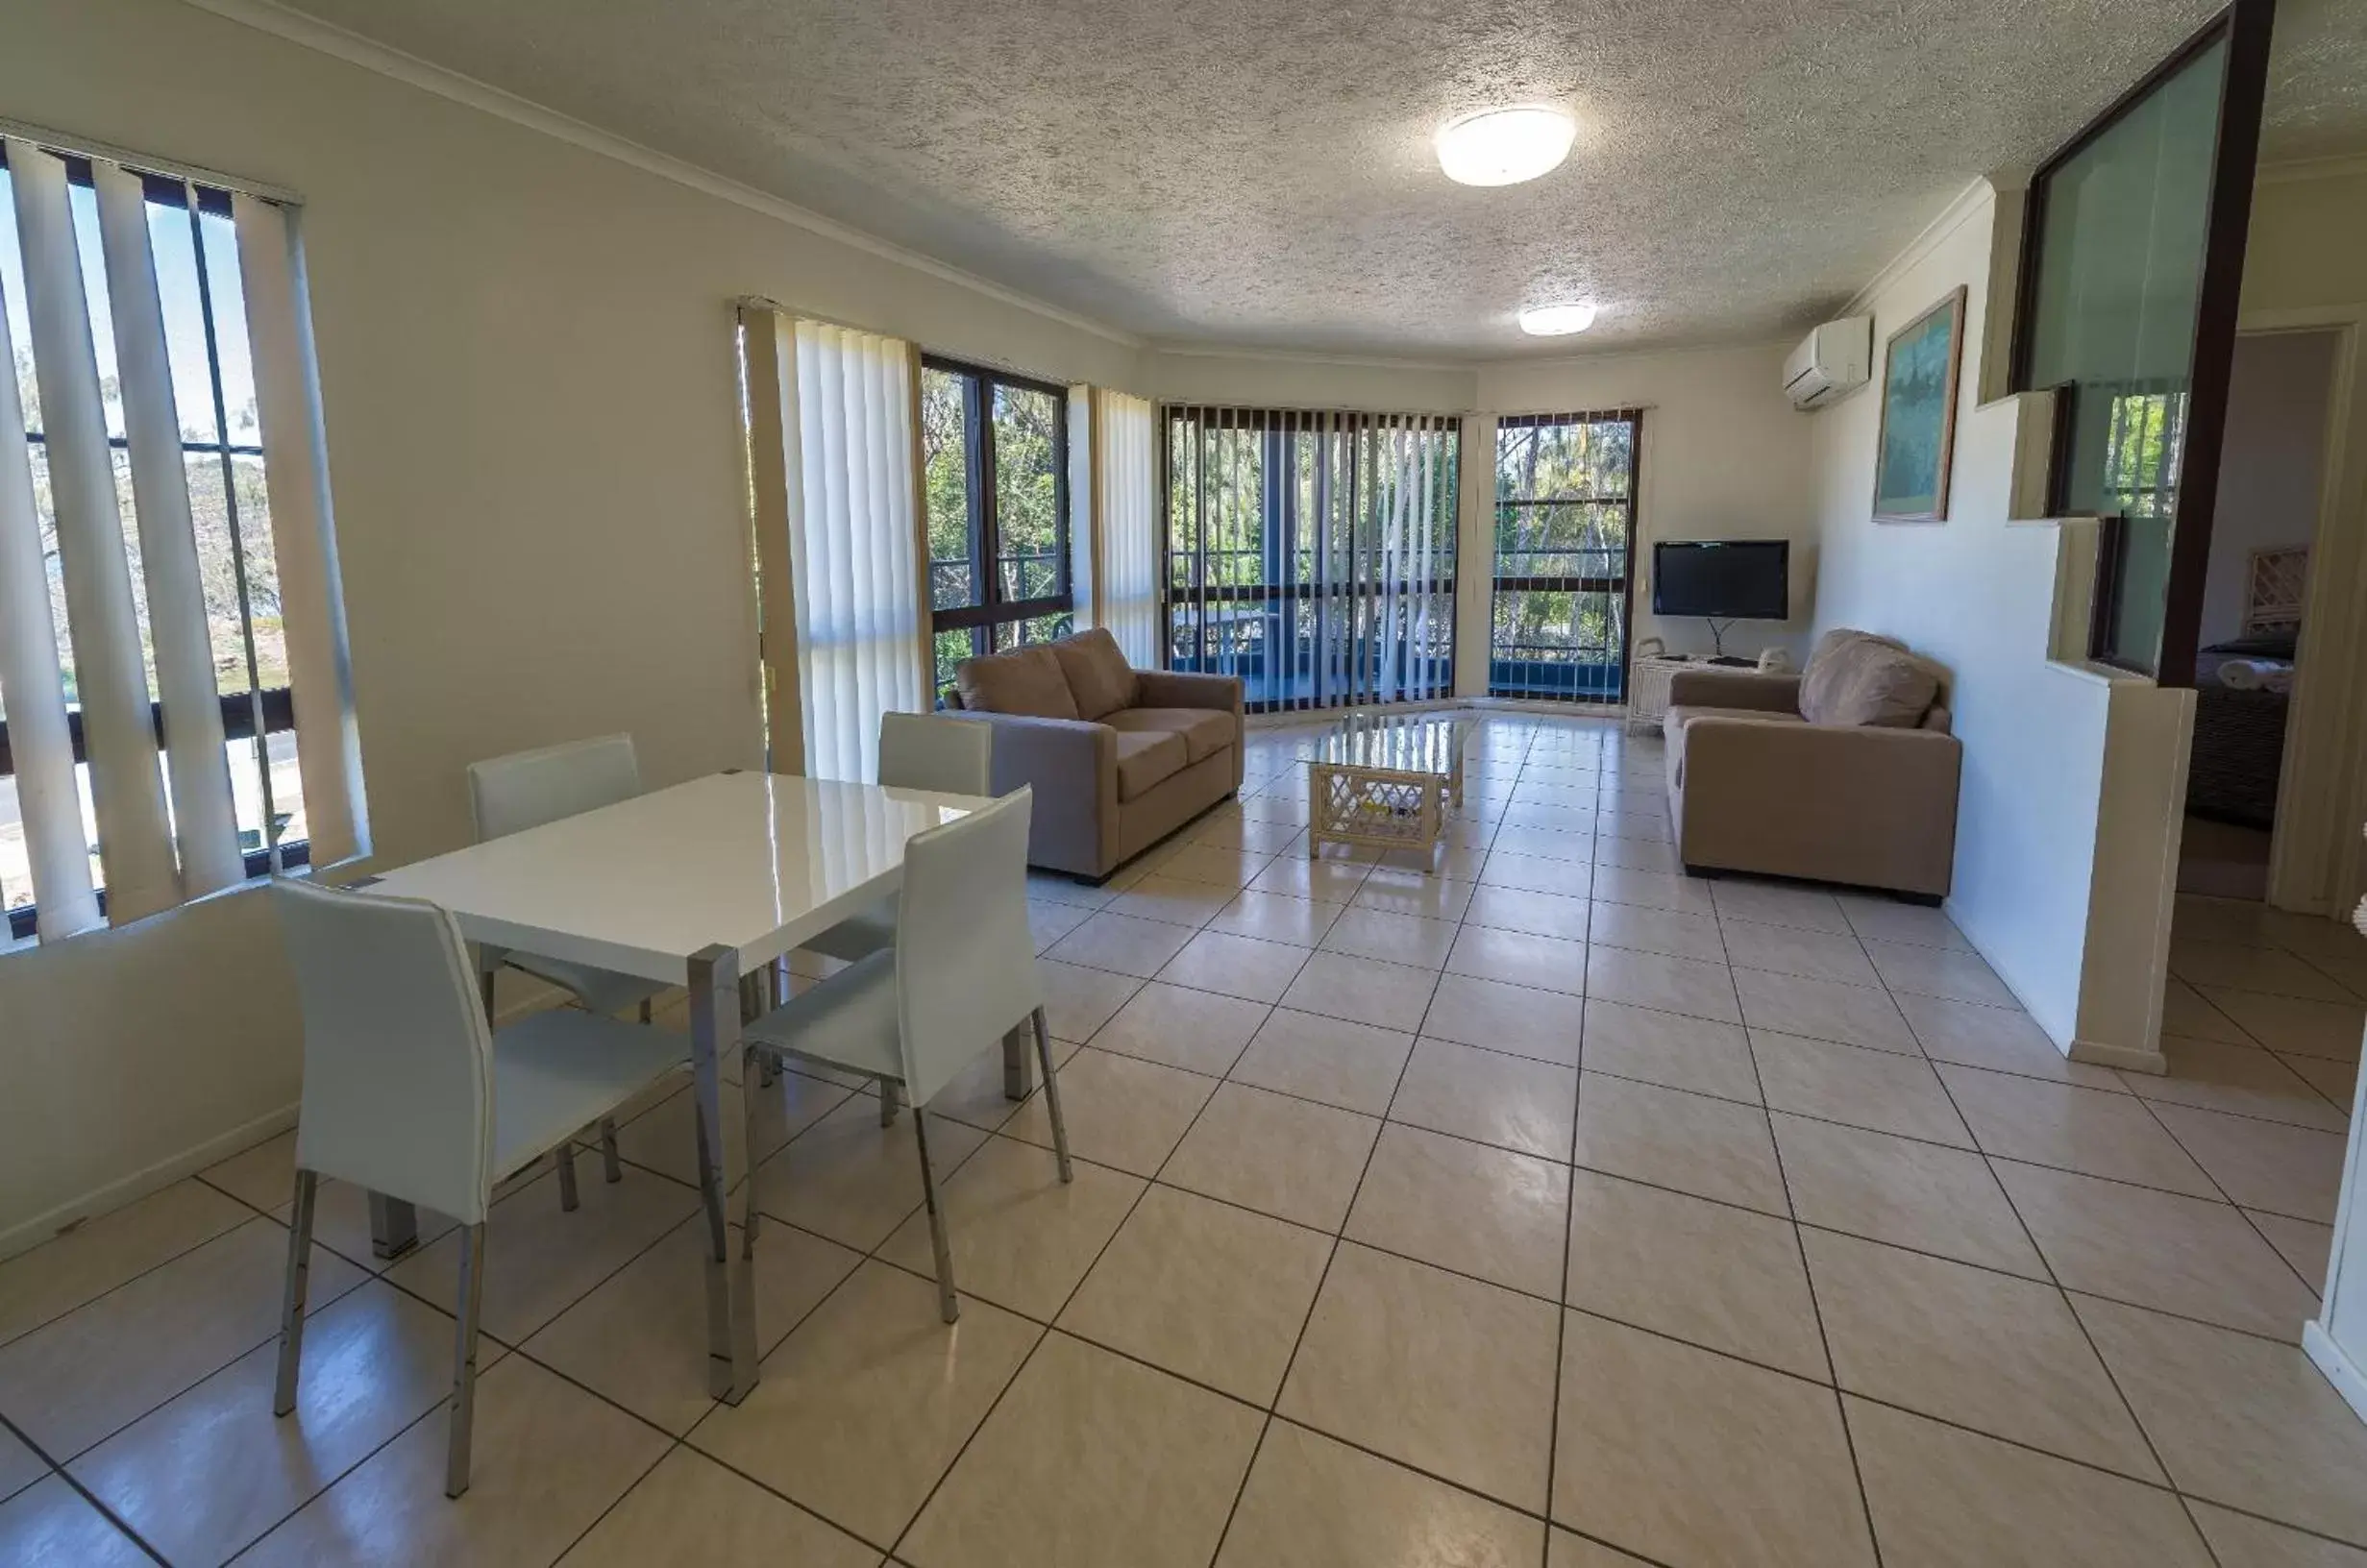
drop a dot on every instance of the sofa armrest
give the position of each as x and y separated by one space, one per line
1072 764
1175 689
1734 689
1863 804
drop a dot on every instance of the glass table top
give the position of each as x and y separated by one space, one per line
1407 743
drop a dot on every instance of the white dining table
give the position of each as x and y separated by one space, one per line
698 885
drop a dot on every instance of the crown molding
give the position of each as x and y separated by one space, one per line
2337 167
1951 217
322 38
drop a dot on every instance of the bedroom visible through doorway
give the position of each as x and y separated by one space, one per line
2271 488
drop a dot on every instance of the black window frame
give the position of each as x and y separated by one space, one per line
992 611
1500 581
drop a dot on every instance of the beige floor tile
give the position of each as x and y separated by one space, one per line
2181 1254
78 1378
974 1097
1021 1237
263 1177
2290 1023
1519 958
19 1465
1234 832
1178 901
1517 1020
1209 1291
97 1256
1669 931
2337 1081
2238 1420
1314 1503
1122 943
1571 1550
2000 1039
1235 966
1275 1154
640 1339
1464 1206
1656 980
1397 891
2089 1131
1704 1272
1447 860
1563 913
1984 1350
1887 920
1939 971
1637 854
1056 1478
205 1474
665 1138
2240 1541
1362 991
1615 823
1881 1090
1651 890
2185 1012
1231 868
1048 921
2240 1080
2303 1243
1396 938
1955 1499
1909 1194
861 1409
692 1509
1064 890
1694 1457
49 1523
1557 818
1325 881
2261 1165
1332 1060
548 1460
1534 874
1512 1102
851 1180
1711 1148
1670 1049
1545 842
1274 917
1078 1000
1179 1027
1790 949
1120 1111
1822 1010
1446 1374
2246 967
1776 904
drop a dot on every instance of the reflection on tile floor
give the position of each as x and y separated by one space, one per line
1558 1210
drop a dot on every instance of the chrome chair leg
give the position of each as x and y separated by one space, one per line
464 1360
611 1164
748 1147
299 1278
564 1157
1051 1094
949 1305
887 1103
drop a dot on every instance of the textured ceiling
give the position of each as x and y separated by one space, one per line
1254 174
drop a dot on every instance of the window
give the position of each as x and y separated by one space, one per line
194 247
1313 555
994 462
1564 553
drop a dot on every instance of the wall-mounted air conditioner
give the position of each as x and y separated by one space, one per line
1834 358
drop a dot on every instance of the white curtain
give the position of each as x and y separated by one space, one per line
156 850
1126 583
843 402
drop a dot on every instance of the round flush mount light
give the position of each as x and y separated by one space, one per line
1557 320
1505 146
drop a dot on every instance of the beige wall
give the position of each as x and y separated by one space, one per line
526 372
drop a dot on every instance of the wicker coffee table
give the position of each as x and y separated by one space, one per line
1385 781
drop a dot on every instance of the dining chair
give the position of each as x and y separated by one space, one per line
959 975
408 1092
526 788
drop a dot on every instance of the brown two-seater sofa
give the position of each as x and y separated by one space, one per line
1119 757
1844 773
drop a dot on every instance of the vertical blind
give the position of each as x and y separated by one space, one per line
1312 553
1126 585
111 643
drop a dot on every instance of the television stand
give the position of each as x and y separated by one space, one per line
1728 661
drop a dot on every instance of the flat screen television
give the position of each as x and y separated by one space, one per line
1723 579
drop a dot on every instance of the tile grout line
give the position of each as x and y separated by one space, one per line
59 1471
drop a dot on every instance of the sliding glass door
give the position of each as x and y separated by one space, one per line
1312 554
1564 553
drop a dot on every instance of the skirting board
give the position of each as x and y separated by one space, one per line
139 1184
2343 1373
2127 1057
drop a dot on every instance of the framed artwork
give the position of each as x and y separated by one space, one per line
1918 415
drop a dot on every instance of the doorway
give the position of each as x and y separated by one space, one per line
2264 534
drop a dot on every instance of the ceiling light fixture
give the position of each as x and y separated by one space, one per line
1505 146
1557 320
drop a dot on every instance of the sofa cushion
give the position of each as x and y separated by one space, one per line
1205 731
1027 680
1099 677
1147 758
1858 679
1672 728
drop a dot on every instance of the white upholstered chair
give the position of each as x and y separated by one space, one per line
409 1093
526 788
959 975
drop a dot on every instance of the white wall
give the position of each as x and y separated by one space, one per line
1280 380
2270 464
525 363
